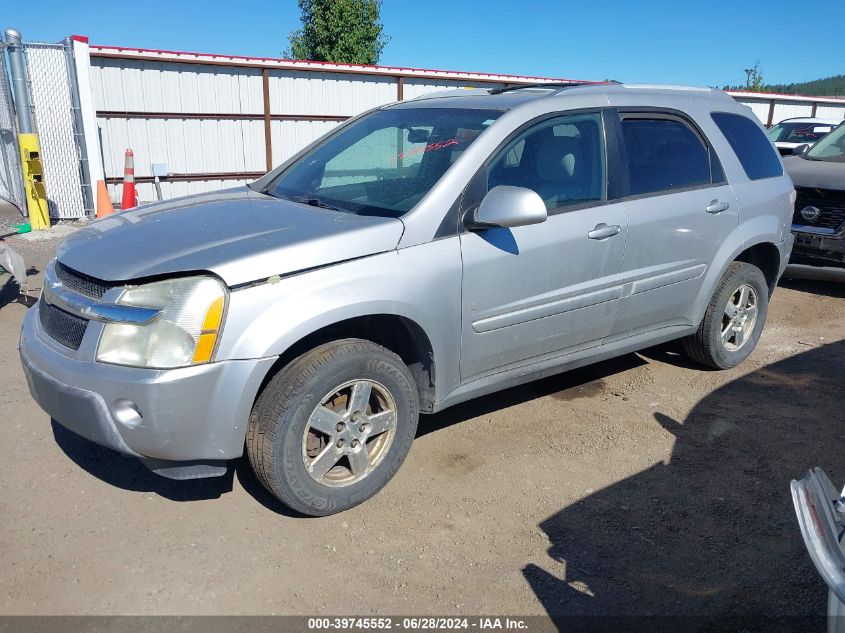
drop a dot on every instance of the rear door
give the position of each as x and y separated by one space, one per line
680 211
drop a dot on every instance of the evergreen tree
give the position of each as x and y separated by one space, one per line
343 31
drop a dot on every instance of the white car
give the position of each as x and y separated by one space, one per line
790 133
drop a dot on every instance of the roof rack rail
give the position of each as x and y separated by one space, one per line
550 85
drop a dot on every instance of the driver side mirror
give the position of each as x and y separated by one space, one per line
800 149
506 207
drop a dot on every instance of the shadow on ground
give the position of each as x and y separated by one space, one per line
130 474
712 532
565 386
815 280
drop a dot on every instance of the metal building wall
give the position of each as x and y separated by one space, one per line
207 118
831 112
219 121
418 87
771 109
131 98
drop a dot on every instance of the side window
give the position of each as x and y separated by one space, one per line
749 143
562 159
663 154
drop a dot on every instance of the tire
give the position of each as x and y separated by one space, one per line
294 431
706 346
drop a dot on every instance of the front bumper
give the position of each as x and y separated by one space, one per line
817 248
194 413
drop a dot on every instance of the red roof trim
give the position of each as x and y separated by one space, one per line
777 95
332 64
80 38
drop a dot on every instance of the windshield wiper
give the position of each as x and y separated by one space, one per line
314 202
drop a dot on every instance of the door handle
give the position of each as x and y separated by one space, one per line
716 206
604 231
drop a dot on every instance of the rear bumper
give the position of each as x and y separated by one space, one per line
189 414
785 248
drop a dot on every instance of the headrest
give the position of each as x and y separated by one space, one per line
556 158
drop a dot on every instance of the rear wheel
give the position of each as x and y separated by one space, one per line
332 428
734 319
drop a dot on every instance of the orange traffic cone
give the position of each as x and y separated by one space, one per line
129 200
104 205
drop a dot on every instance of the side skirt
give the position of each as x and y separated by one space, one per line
559 364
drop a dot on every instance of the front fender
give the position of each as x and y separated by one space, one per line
421 284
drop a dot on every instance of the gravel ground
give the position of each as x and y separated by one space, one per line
642 485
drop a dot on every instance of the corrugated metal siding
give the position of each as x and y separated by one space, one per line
831 112
148 86
417 87
146 191
791 110
288 137
332 94
146 82
760 109
186 145
789 106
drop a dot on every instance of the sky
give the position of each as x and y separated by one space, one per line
692 42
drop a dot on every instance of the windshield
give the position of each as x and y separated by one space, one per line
384 163
798 132
831 148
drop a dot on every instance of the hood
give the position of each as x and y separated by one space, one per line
238 234
818 174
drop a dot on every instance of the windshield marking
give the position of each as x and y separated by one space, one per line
431 147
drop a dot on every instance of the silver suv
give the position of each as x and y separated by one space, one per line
421 254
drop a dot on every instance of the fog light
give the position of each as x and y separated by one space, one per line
127 413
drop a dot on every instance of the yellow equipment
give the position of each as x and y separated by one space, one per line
33 178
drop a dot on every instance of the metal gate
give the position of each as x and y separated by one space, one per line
11 179
52 101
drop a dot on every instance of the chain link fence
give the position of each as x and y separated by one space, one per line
52 102
11 185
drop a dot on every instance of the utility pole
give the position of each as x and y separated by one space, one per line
748 72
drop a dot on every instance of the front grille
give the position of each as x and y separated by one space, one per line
66 328
830 203
81 284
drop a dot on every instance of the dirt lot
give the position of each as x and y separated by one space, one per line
642 485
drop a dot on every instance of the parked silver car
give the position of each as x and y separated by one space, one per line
422 254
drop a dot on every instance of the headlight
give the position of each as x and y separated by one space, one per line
184 333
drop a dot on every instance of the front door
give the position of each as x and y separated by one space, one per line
538 291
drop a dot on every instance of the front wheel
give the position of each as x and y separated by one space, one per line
333 427
734 319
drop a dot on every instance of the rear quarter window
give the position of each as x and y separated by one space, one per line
754 151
